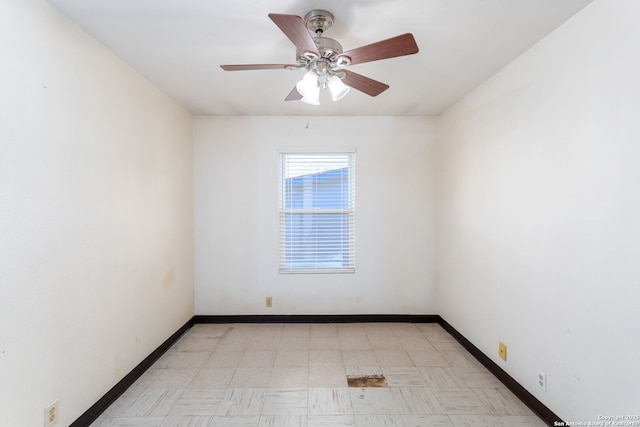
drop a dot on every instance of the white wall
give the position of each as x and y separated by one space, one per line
96 208
539 203
236 222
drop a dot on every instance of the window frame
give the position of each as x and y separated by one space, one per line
284 254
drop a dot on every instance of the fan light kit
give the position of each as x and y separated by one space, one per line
325 60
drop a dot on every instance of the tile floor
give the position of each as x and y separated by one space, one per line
284 375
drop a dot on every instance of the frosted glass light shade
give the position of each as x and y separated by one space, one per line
313 98
309 88
308 83
337 88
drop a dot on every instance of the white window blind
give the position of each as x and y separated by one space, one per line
317 212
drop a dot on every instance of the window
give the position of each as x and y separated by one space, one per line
317 212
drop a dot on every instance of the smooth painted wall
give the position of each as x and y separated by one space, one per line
96 216
236 222
539 208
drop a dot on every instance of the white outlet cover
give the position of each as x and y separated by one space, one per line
541 379
51 414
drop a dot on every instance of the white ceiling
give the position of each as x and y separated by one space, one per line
179 44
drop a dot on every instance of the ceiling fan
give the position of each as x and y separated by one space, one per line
325 60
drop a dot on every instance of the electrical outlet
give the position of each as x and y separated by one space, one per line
542 381
269 302
502 351
51 414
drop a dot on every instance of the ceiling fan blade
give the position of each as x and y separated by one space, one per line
389 48
294 95
364 84
294 27
244 67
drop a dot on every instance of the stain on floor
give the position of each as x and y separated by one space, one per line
367 381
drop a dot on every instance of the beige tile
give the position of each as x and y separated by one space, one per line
257 359
285 402
351 331
242 329
103 420
198 344
331 421
372 401
137 422
325 357
236 421
176 345
296 330
283 421
379 329
173 378
292 358
418 343
186 359
209 330
119 407
250 377
289 377
519 421
363 370
324 343
378 420
416 400
404 377
355 343
433 332
441 377
359 358
153 403
294 343
233 344
474 421
242 401
501 401
329 401
406 330
476 377
265 341
142 383
423 358
460 401
384 342
447 344
263 329
323 330
212 378
224 359
460 358
165 359
426 420
327 376
393 358
197 402
188 421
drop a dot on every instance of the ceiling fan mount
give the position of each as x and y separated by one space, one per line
318 21
325 60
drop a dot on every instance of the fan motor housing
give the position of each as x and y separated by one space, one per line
317 22
328 48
